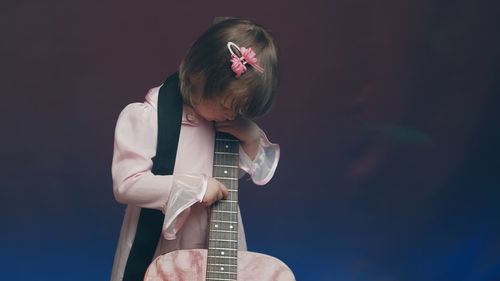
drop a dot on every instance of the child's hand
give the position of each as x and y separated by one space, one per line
245 130
215 192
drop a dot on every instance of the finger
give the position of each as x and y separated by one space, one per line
227 122
229 130
225 192
224 126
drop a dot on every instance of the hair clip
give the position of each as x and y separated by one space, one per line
247 56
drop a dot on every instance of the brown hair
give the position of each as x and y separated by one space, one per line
209 61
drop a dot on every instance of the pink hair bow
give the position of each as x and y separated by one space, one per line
247 56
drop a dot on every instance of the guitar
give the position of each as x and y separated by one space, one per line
222 260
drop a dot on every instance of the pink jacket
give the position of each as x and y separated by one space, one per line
179 195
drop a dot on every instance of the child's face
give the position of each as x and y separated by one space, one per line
218 108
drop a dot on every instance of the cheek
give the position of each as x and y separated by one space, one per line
206 112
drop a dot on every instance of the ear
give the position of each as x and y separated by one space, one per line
216 20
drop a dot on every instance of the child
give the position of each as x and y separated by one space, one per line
228 77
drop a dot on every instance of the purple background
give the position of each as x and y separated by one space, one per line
387 119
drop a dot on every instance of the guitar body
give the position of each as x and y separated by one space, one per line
190 265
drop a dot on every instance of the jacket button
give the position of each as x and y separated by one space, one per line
191 118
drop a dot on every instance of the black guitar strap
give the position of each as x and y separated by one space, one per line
150 220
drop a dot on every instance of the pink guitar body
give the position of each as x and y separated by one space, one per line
190 265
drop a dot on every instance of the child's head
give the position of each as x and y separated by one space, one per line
207 80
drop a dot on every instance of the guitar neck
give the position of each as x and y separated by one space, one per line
223 228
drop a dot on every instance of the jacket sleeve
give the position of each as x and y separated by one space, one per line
262 168
133 181
134 146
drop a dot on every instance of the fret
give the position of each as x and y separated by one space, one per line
227 166
216 272
221 237
225 249
226 231
225 206
220 275
224 139
223 260
214 233
223 223
221 244
227 202
233 204
225 209
226 153
221 211
215 220
220 264
227 160
224 240
229 210
221 257
219 222
216 223
225 216
227 178
222 272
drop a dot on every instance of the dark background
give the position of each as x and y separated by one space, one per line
387 118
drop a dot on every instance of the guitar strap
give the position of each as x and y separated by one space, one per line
150 220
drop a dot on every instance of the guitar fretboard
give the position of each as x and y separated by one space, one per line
223 229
